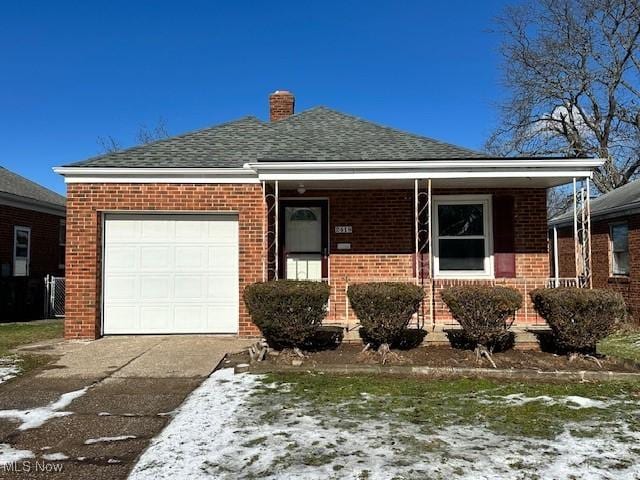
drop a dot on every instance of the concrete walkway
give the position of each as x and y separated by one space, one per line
174 356
132 384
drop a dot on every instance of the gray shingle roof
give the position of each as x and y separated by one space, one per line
15 184
623 199
319 134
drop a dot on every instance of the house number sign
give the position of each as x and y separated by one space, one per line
343 229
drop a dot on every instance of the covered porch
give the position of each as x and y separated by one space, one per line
433 227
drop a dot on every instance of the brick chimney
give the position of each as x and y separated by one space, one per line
281 103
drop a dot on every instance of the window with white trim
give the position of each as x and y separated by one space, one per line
462 236
619 241
62 242
21 251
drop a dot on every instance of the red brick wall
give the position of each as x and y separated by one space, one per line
45 253
629 287
85 204
382 243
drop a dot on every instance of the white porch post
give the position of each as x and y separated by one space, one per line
431 285
556 268
576 241
588 232
416 220
277 227
265 233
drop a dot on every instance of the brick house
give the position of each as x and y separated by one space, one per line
615 244
163 238
32 228
32 238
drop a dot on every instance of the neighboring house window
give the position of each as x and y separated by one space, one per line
62 241
619 235
461 236
21 251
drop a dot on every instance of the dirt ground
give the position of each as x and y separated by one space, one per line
442 356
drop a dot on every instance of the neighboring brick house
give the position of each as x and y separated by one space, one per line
32 228
615 243
164 237
32 238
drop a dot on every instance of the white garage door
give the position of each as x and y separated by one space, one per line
170 274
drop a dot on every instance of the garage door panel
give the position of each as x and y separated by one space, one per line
156 231
187 286
156 318
223 258
222 290
153 257
119 287
121 258
190 257
155 288
170 274
124 230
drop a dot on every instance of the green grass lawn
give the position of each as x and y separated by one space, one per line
13 335
624 345
322 426
433 404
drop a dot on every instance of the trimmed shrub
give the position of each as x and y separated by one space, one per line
485 313
384 309
287 312
579 317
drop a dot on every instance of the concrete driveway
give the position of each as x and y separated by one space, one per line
125 389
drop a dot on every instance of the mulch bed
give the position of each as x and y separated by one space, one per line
439 356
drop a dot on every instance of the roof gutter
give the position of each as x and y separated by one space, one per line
156 175
466 168
607 213
255 172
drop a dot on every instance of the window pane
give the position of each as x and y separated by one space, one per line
22 252
461 254
620 237
460 220
620 263
22 238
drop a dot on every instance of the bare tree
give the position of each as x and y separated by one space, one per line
572 69
148 135
109 144
144 135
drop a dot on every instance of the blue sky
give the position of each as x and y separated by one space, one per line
71 72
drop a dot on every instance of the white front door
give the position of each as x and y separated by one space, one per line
170 274
21 251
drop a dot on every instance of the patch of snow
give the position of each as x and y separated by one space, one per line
104 414
36 417
570 401
114 460
8 368
8 454
52 457
217 433
45 448
118 438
